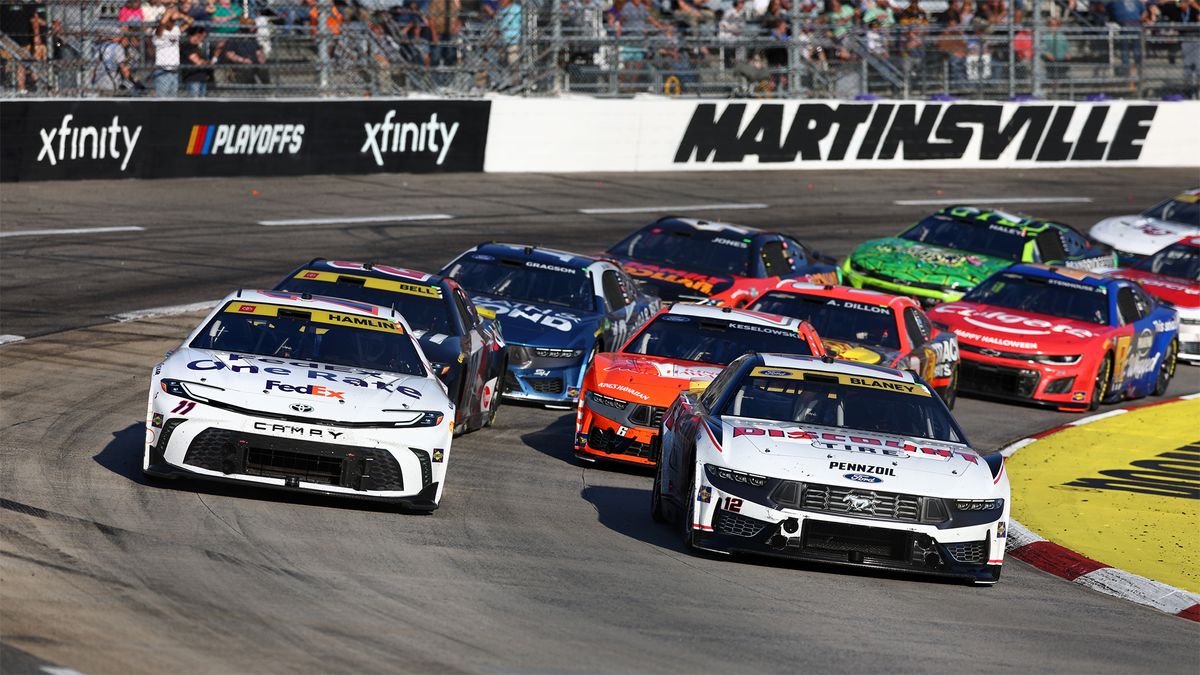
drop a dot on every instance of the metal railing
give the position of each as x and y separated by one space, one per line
280 48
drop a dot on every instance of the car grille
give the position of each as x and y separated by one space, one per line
738 525
545 385
605 440
995 353
968 551
324 463
837 500
510 383
647 416
822 536
1001 380
1189 348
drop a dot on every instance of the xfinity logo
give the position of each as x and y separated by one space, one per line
245 139
65 142
396 137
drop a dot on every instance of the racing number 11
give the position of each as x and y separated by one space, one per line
732 504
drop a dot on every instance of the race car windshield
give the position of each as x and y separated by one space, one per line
835 319
422 312
997 241
1043 296
1177 260
826 400
311 335
1185 210
527 281
717 342
692 250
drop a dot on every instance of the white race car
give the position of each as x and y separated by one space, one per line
833 461
306 393
1140 235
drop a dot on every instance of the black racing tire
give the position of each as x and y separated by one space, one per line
656 505
490 418
950 396
1167 370
687 511
1103 381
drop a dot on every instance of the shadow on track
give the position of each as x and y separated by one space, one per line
123 456
557 440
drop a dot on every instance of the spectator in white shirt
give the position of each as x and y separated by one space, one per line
166 51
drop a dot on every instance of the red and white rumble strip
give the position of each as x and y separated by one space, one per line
1026 545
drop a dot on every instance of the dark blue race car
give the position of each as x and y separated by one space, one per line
557 310
465 345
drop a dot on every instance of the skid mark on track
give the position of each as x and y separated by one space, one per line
224 522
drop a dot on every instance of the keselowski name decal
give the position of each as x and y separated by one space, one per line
885 131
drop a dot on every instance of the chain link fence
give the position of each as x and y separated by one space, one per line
281 48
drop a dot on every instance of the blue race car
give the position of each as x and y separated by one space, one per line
557 310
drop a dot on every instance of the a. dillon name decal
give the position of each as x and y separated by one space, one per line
907 131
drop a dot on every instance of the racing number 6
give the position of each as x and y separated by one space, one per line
733 504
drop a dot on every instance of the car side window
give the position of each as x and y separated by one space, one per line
917 326
628 287
613 294
1050 245
466 310
713 392
797 256
775 259
1127 305
1145 304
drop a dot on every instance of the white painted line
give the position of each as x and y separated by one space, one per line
363 220
169 310
1008 452
74 230
1139 589
5 339
1096 418
984 201
55 670
673 209
1189 397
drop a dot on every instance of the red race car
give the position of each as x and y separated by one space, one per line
871 327
1173 276
696 261
681 348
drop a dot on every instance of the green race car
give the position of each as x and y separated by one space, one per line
944 255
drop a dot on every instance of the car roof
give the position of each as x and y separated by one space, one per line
997 217
1070 274
826 365
730 314
860 295
677 224
309 301
373 270
549 256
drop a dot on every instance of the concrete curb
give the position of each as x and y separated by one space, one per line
1025 544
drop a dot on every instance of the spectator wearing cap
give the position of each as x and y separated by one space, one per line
195 65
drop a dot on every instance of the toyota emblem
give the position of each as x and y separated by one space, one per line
302 407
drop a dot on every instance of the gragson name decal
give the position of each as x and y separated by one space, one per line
389 137
69 143
907 131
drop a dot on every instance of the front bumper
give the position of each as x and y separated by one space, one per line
1016 379
549 383
927 296
1189 341
599 437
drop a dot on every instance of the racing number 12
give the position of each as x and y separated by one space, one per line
732 504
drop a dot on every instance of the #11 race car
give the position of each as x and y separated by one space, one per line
1068 338
1164 223
302 392
557 311
947 253
681 349
1173 276
698 261
833 461
464 345
873 328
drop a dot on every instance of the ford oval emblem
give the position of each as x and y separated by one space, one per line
863 478
302 407
775 373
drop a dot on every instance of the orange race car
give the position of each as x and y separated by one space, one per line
684 347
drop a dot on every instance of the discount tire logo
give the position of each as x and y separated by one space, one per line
245 139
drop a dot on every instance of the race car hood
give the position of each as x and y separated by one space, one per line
867 460
275 385
906 260
541 325
1140 235
1176 291
649 379
854 351
1011 330
672 283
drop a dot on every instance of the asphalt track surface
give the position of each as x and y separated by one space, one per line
533 563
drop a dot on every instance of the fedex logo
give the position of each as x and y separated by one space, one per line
310 389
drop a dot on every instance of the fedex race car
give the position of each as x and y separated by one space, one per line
946 254
1068 338
681 349
871 327
464 345
1173 276
301 392
1164 223
695 260
557 310
832 461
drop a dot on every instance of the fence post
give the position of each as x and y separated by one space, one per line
1036 69
794 64
556 46
323 44
1012 53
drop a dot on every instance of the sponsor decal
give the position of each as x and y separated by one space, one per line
1165 326
932 254
156 421
701 283
558 320
730 242
1001 530
720 133
301 407
297 430
675 318
553 268
322 316
374 282
390 137
314 371
73 143
399 272
846 379
310 389
853 442
1167 474
1076 286
862 478
775 373
859 503
704 494
1005 322
439 455
623 388
945 354
184 407
573 392
862 469
1079 396
858 306
245 139
1001 342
